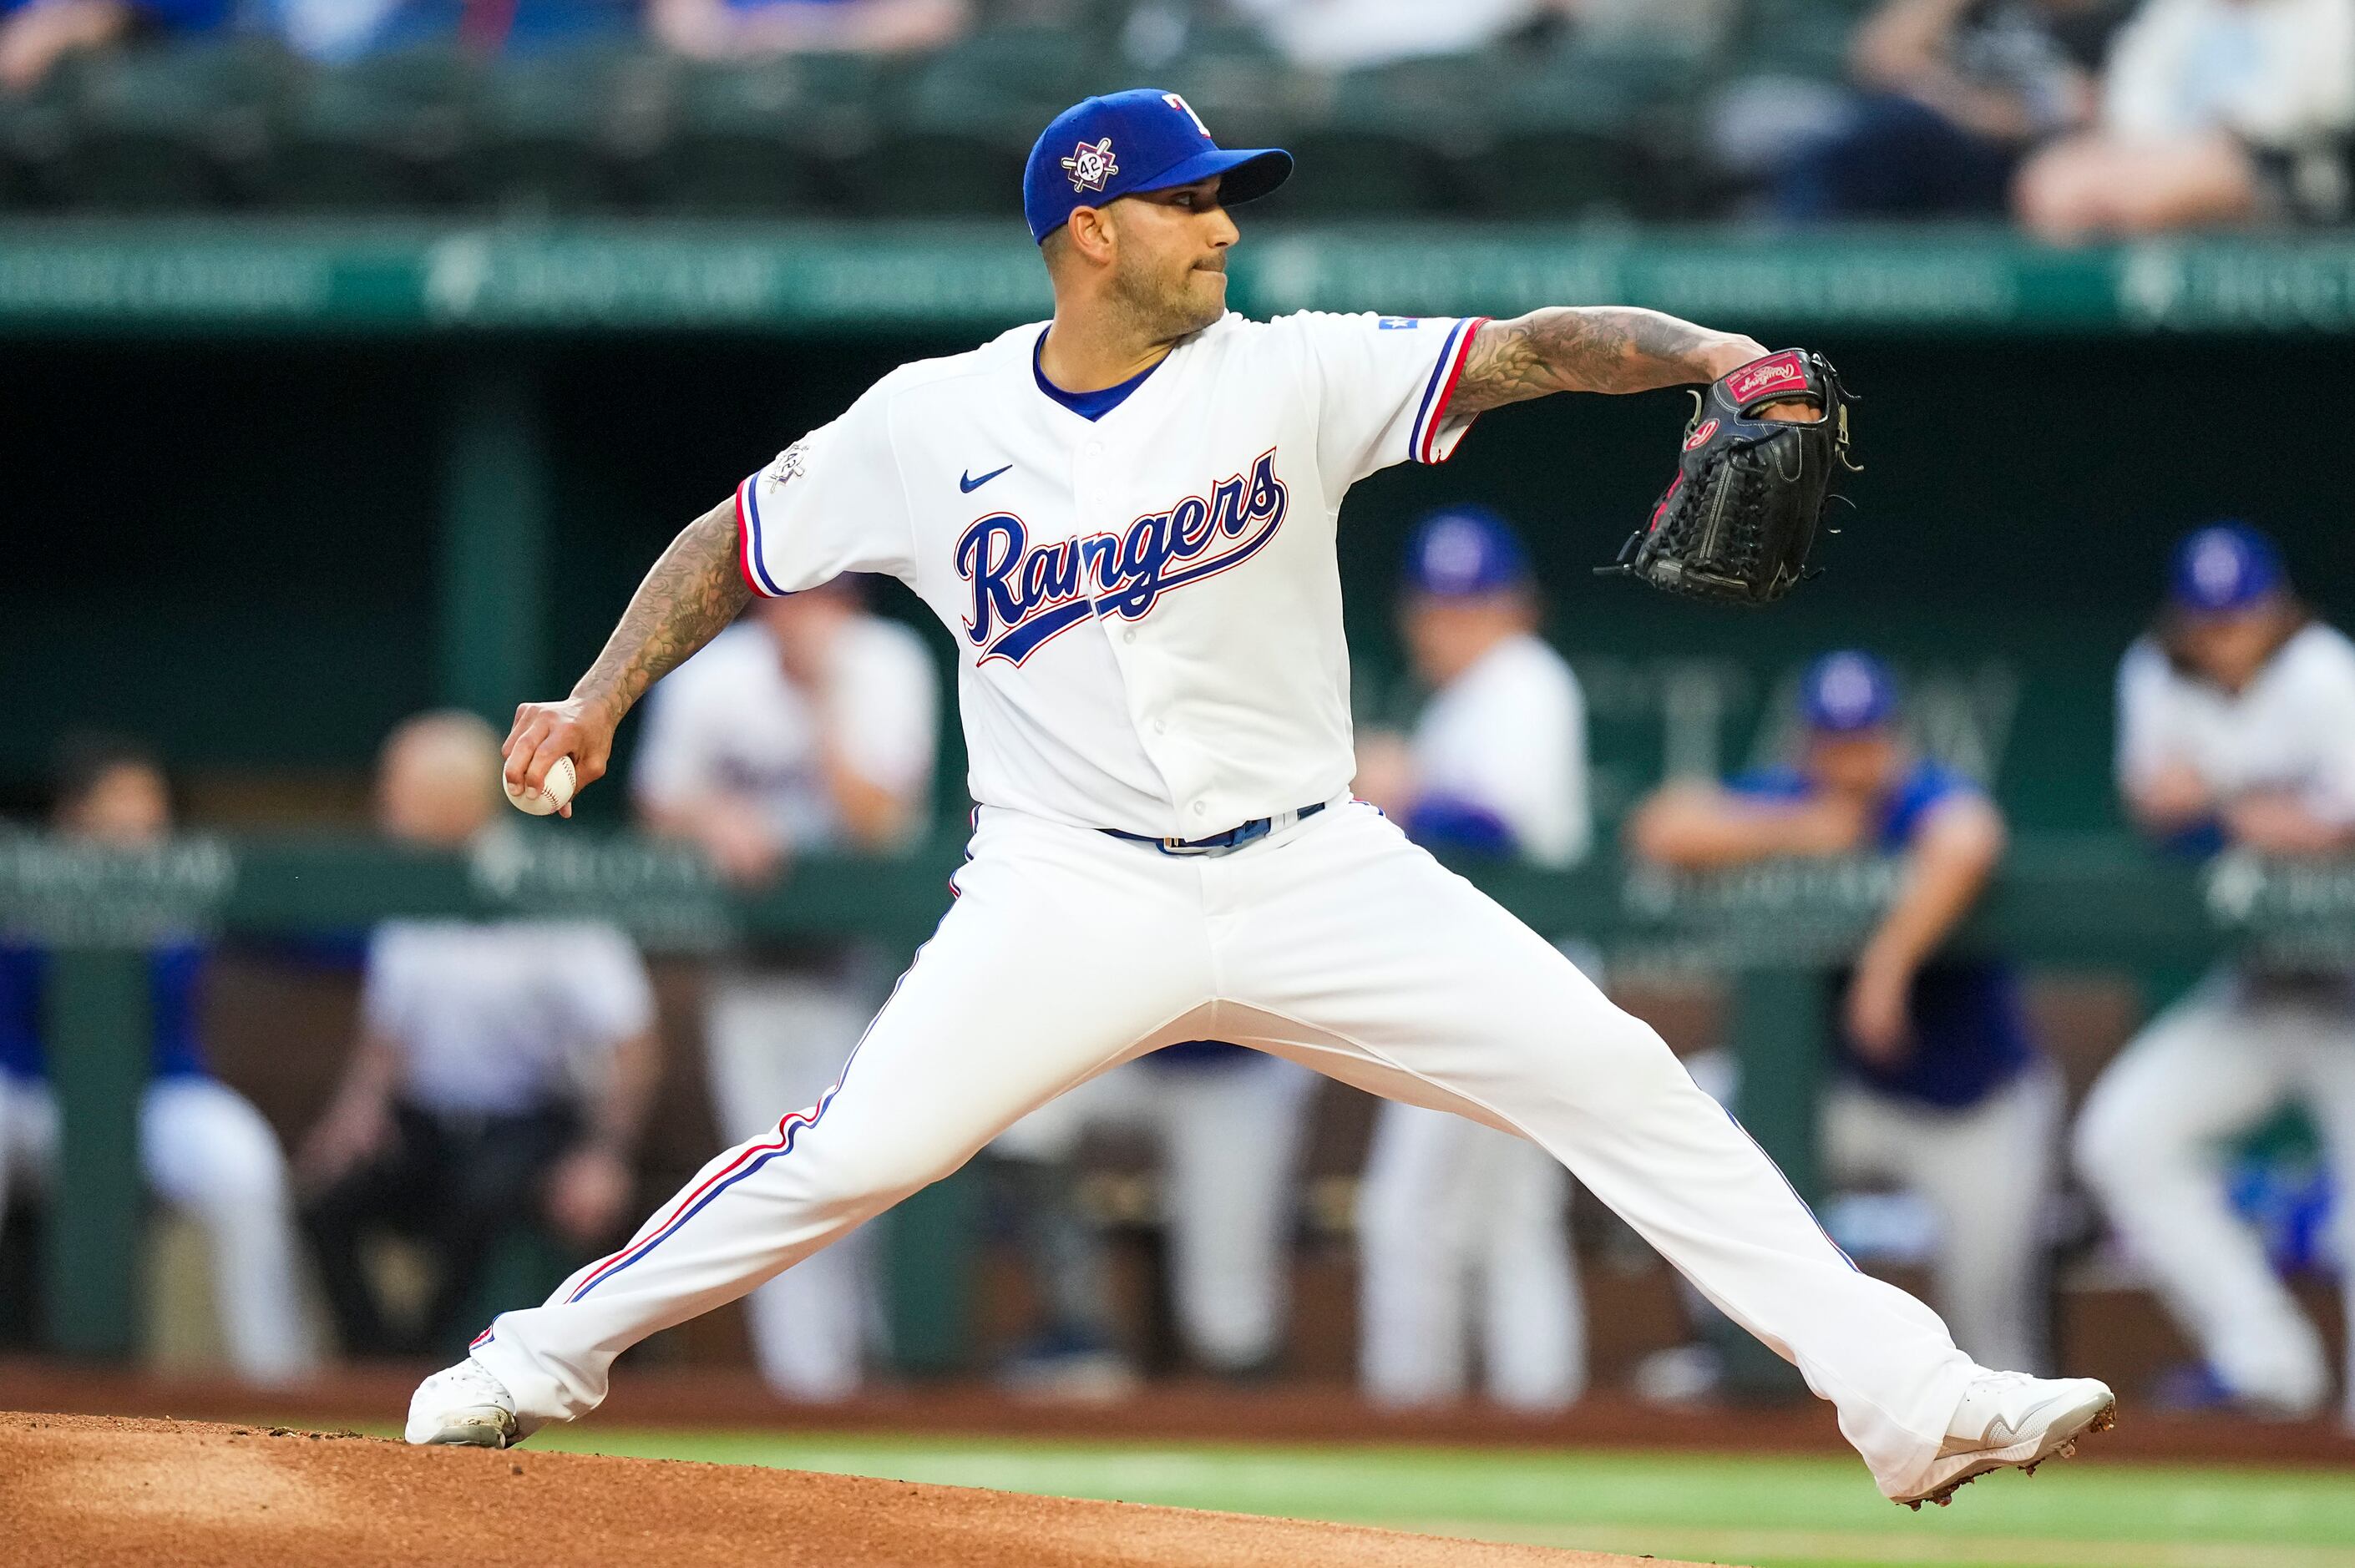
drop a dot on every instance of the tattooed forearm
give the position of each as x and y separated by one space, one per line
1600 349
693 592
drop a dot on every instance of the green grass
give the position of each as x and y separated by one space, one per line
1767 1512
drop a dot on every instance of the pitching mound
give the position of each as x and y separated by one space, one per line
101 1491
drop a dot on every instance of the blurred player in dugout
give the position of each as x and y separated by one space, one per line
1941 1088
502 1071
1462 1237
1225 1123
203 1149
810 727
2236 732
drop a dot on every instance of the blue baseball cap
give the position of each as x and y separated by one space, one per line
2224 568
1847 692
1141 140
1465 552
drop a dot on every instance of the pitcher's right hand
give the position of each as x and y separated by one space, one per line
543 732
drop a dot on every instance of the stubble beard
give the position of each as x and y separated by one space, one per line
1168 311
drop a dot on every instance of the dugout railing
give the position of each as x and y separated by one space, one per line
1772 931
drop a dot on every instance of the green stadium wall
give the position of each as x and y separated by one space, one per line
233 540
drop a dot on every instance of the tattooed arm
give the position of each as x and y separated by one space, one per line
693 592
1591 349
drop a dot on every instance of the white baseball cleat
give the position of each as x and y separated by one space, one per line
465 1405
2011 1419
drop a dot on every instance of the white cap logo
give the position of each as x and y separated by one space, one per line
1845 689
1452 554
2216 567
1091 167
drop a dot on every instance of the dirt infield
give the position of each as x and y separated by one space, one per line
97 1490
1166 1412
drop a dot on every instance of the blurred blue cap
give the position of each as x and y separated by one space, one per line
1462 552
2223 568
1141 140
1846 692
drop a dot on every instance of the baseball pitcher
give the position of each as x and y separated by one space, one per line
1143 585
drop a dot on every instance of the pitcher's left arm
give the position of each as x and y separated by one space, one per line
1593 348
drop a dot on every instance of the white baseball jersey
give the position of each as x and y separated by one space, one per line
2292 727
1509 735
729 720
497 1017
1148 605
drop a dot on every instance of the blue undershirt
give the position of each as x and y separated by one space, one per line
1088 406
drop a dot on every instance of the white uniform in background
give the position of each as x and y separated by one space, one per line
1227 1123
775 1033
2278 73
2244 1042
1148 608
502 1017
204 1150
1453 1214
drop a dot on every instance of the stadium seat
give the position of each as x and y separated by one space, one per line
550 134
167 127
750 139
32 139
1591 131
1231 78
1386 139
1797 37
380 133
952 136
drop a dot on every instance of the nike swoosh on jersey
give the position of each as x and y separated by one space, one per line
966 483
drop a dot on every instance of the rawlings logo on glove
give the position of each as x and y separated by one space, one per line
1738 520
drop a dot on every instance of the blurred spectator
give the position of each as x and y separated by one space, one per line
36 34
203 1149
1941 1087
727 29
337 32
1350 35
1226 1123
1954 94
501 1075
2236 727
2212 111
809 726
1461 1233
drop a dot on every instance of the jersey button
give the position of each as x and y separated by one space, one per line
1201 809
1161 726
1128 636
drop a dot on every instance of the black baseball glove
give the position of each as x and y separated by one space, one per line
1742 514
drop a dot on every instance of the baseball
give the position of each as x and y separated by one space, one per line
551 797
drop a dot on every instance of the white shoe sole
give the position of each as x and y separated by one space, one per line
2057 1441
476 1426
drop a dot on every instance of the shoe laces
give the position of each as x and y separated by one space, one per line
474 1377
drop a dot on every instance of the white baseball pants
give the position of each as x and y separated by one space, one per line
207 1153
1335 943
2150 1144
777 1040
